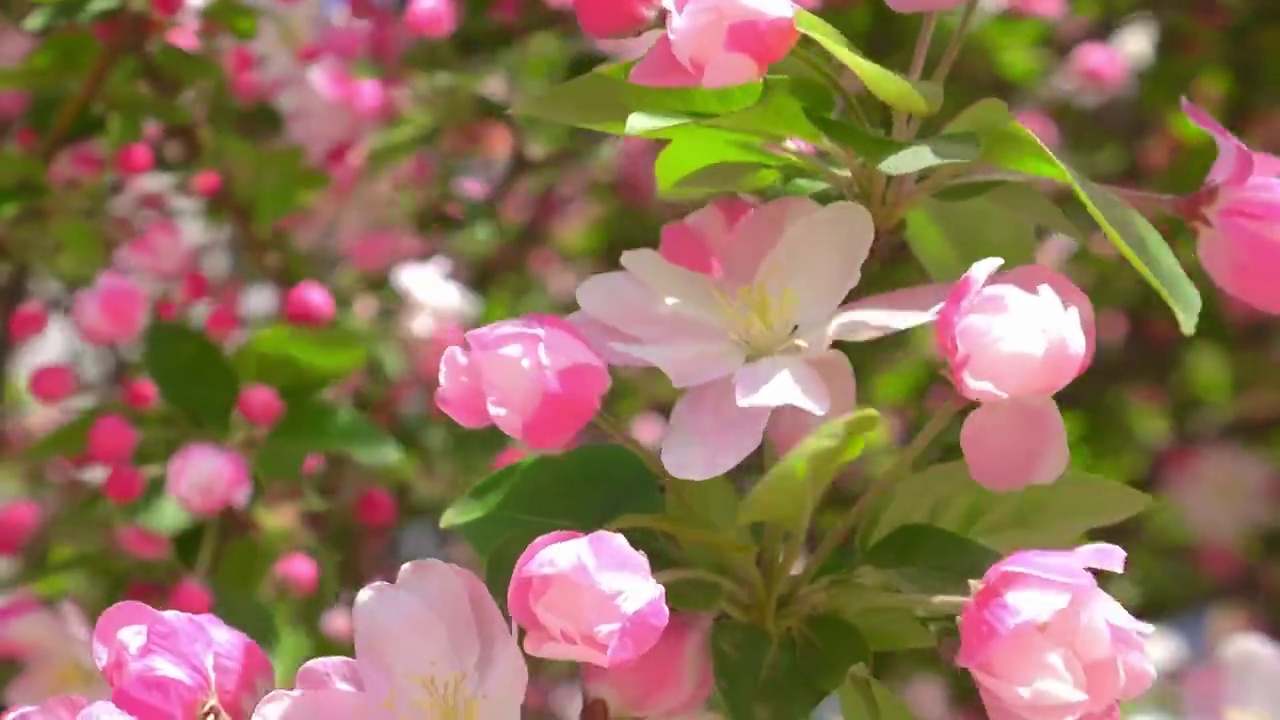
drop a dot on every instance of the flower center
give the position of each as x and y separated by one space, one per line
757 320
449 699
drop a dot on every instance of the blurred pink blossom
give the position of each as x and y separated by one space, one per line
206 479
673 679
114 310
718 43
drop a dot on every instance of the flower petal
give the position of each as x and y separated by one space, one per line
329 673
1011 444
661 68
879 315
782 380
683 291
819 260
709 434
1235 160
790 425
319 705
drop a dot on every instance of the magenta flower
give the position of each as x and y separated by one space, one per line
615 18
431 645
1012 342
1236 217
718 43
1042 640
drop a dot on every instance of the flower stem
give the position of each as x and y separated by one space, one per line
949 57
208 548
923 40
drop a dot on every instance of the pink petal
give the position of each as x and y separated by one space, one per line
729 70
779 381
756 234
819 260
709 434
319 705
329 673
789 425
1011 444
766 40
1030 277
684 291
661 68
879 315
604 340
459 394
1235 161
1239 260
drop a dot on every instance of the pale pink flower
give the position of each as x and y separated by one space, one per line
1225 492
69 707
206 479
915 6
52 645
20 520
1099 68
672 680
1042 640
160 252
1098 71
615 18
533 377
169 664
1011 342
586 598
298 573
433 644
367 97
433 300
336 624
739 307
114 310
718 43
78 162
1236 217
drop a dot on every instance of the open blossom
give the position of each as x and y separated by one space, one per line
718 43
672 680
533 377
433 300
739 307
1237 218
52 645
587 598
1013 341
1242 681
206 479
432 645
69 707
112 311
1044 642
1097 71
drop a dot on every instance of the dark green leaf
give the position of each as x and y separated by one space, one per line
312 425
1043 516
235 16
892 629
694 595
249 615
928 559
192 373
788 494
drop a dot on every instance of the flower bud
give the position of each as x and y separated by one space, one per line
124 485
53 383
672 680
111 439
206 479
20 520
140 393
298 573
140 543
310 303
190 595
28 320
112 311
376 508
260 405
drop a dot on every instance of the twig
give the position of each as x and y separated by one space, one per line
949 57
918 58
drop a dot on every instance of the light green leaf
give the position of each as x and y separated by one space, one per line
788 494
706 161
865 698
165 516
82 249
1044 516
288 356
67 440
917 98
192 373
895 157
892 629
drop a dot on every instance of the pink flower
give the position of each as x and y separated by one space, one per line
112 311
140 393
206 183
434 19
1236 217
1242 679
534 377
20 520
615 18
1099 67
206 479
1011 344
376 508
53 383
29 319
433 644
718 43
190 595
915 6
1045 9
367 97
1043 641
298 573
160 252
112 439
135 158
1042 125
143 544
586 598
69 707
310 303
170 664
260 405
673 679
739 306
335 624
124 485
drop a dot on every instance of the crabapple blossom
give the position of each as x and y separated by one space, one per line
718 43
310 303
206 479
140 393
615 18
260 405
20 520
51 644
434 19
587 598
112 311
1011 342
135 158
124 485
28 320
190 595
53 383
298 573
142 544
376 508
111 439
672 680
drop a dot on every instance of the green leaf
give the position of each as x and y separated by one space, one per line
249 615
583 489
192 374
948 237
67 440
694 595
288 356
928 559
312 425
779 114
917 98
165 516
1044 516
709 160
604 100
864 698
760 679
235 16
82 250
788 494
1008 144
892 629
895 157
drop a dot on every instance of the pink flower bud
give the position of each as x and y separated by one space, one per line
28 320
1041 639
190 595
310 303
298 573
586 598
221 323
135 159
615 18
140 393
673 679
1099 68
718 43
336 624
124 485
1012 342
261 405
313 463
53 383
206 183
20 520
376 509
112 311
434 19
206 479
112 439
140 543
534 377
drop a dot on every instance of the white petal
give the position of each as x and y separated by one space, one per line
782 380
819 260
709 434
